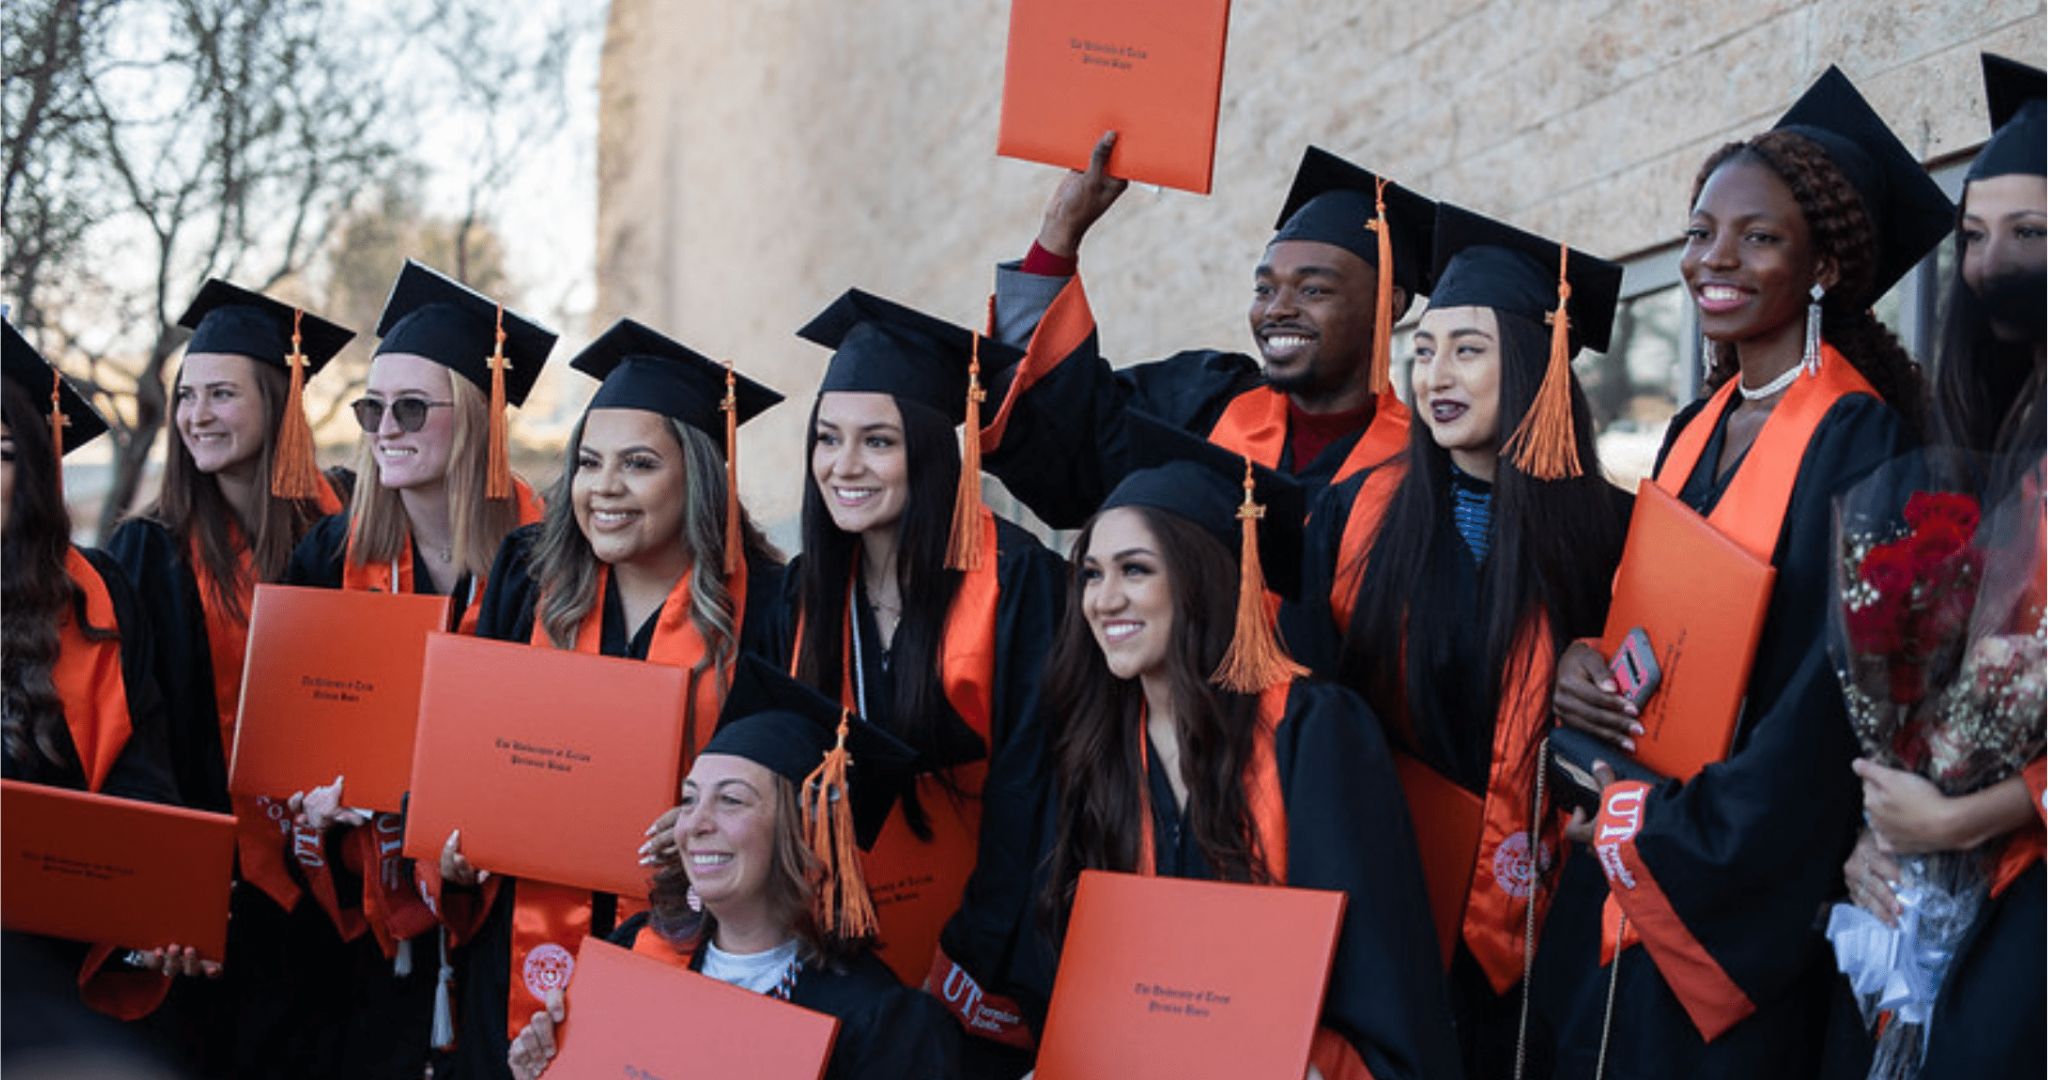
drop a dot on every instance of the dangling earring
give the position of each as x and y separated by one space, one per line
691 898
1812 359
1706 358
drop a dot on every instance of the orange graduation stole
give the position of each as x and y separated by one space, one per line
1254 425
396 575
87 676
1361 527
549 920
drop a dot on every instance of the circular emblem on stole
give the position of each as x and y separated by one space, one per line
548 968
1511 867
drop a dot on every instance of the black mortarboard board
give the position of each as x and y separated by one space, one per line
787 728
26 367
226 318
1481 262
880 346
1906 207
432 315
2019 121
1332 202
1203 483
641 368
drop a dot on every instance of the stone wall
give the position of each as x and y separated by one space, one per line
756 158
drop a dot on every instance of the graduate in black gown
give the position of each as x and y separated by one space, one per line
1514 550
82 709
240 488
765 910
1188 745
919 608
1350 254
1712 886
644 553
424 519
1989 1019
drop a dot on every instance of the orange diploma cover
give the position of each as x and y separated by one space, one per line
1448 823
1169 978
114 871
332 686
552 763
634 1016
1700 597
1150 69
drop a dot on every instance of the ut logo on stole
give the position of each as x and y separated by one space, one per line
961 991
390 838
1621 815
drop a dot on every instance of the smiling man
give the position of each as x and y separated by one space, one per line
1316 404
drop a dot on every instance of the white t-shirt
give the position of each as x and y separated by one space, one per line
760 972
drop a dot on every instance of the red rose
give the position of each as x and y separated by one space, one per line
1888 568
1878 627
1945 506
1934 544
1908 682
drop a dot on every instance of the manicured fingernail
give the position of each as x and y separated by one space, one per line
1608 685
1635 729
1629 745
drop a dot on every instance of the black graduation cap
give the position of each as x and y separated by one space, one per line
1907 209
25 366
881 346
1481 262
788 728
1332 202
432 315
226 318
642 368
2014 93
1203 483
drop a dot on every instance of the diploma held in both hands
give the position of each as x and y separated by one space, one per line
1168 977
550 762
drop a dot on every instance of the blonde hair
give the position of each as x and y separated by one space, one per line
377 522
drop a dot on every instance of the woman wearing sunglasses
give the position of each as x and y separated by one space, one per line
434 501
240 488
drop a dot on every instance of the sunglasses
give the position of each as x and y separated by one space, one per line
409 413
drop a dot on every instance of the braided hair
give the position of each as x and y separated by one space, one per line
1841 229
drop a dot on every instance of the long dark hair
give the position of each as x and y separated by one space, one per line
1842 230
1096 721
1553 549
191 505
933 460
35 593
1987 391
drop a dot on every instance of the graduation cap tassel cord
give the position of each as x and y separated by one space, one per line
963 548
296 471
843 904
1545 445
1256 659
731 408
1383 293
498 480
58 421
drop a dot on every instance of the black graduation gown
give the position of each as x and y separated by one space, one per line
280 1005
483 979
1750 850
984 935
887 1031
1347 830
1066 443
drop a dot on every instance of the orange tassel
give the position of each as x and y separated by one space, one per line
294 471
843 905
731 408
963 547
1545 445
498 478
58 422
1383 293
1256 659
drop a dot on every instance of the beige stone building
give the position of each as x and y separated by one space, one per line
757 158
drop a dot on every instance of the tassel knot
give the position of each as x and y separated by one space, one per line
498 475
1544 445
1255 659
295 471
842 903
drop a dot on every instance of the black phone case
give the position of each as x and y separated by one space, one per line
1572 753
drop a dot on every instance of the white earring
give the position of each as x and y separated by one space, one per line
1812 358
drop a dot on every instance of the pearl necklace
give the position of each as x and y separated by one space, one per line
1771 388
